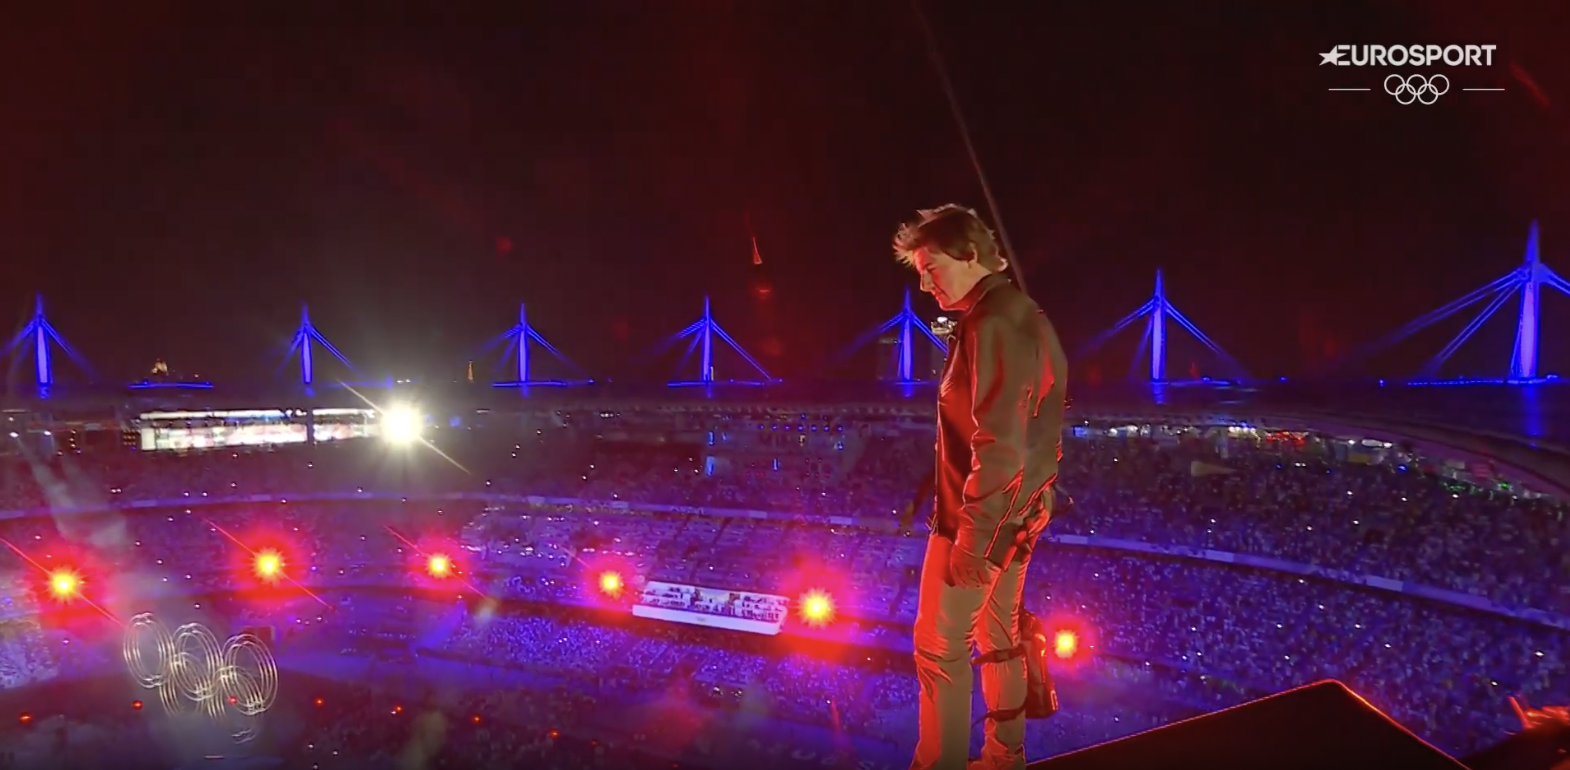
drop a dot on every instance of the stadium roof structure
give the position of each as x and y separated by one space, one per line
701 336
1526 281
305 336
905 325
517 341
39 336
1155 312
705 338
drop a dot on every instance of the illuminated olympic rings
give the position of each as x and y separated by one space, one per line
233 682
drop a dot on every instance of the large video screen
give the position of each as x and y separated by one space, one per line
157 439
340 431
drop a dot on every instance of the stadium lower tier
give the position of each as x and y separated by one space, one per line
1159 640
1156 639
796 701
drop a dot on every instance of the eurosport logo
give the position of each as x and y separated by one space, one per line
1410 55
1421 88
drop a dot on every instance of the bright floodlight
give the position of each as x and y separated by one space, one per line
1065 644
611 583
817 608
439 566
64 584
401 424
269 565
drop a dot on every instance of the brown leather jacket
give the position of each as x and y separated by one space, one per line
1000 421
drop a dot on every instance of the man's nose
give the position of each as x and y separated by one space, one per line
926 284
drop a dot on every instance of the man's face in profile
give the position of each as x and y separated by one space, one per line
947 279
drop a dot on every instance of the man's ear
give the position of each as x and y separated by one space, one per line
1003 264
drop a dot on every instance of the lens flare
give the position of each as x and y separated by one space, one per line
817 608
439 565
402 424
611 584
268 565
65 585
1065 644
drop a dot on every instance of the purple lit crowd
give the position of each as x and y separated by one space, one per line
1174 633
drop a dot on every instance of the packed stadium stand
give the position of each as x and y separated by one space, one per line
583 588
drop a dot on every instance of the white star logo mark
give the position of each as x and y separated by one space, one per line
1334 57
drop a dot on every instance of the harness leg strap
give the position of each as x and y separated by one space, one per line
1000 656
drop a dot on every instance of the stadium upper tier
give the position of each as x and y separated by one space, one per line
1539 412
1300 497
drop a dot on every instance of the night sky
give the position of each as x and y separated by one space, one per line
176 183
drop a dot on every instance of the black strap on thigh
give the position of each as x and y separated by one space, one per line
1005 715
999 656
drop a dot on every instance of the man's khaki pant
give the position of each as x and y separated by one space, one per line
948 620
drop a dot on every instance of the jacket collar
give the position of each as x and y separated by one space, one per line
981 289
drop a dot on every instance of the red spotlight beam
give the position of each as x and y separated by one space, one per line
237 541
25 557
48 573
420 552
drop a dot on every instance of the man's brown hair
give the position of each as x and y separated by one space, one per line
951 229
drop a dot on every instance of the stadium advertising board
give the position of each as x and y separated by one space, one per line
716 608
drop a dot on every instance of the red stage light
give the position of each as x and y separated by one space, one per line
318 701
817 608
25 718
475 719
136 705
268 565
439 565
611 584
65 584
1065 643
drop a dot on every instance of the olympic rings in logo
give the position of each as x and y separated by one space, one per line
1417 88
232 683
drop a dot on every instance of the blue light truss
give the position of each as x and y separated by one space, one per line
701 336
39 333
517 341
906 325
154 385
1156 311
301 343
1528 279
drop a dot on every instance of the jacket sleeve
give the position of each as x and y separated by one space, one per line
1000 384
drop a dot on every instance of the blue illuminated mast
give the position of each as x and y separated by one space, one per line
517 340
1528 280
304 337
1156 312
701 336
38 333
905 326
1523 360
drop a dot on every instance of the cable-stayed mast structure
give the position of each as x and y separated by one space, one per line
701 336
305 337
39 336
1526 282
518 340
906 327
1156 312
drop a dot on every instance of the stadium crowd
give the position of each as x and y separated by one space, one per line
1165 636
